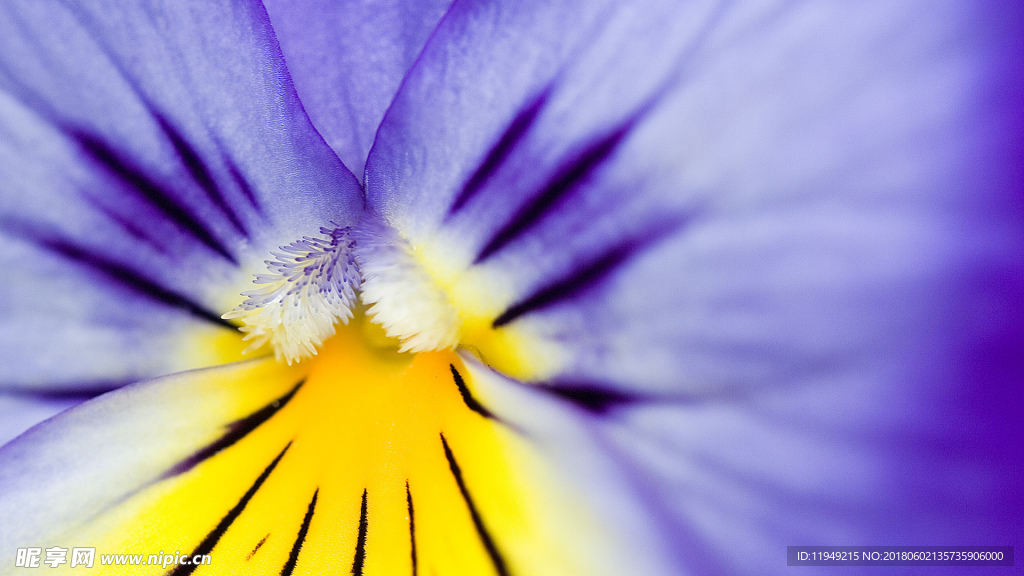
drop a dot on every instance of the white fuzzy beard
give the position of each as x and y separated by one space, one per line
400 294
310 286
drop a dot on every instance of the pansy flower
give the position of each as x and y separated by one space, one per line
487 287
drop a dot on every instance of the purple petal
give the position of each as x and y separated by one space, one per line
797 225
736 480
150 157
746 193
347 59
723 485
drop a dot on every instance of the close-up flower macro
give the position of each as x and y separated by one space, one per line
510 287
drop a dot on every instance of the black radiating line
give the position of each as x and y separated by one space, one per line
199 171
566 288
595 400
215 535
412 526
481 530
115 271
243 184
150 190
500 151
566 180
236 431
467 396
300 538
360 557
67 391
598 269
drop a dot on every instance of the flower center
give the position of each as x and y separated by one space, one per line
419 298
310 285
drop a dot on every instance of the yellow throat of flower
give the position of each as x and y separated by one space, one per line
363 458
